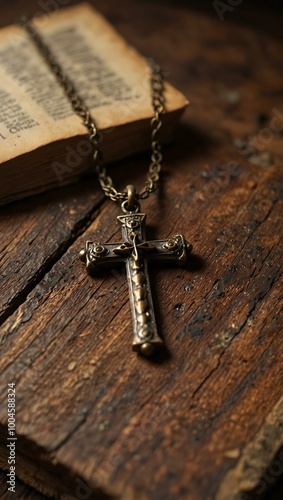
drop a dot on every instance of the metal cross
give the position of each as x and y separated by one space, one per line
135 252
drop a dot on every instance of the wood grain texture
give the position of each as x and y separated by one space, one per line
36 232
204 419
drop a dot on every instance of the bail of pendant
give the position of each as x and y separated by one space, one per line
131 204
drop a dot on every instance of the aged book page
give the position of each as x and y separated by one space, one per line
110 76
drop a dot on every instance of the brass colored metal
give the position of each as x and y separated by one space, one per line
136 252
171 245
131 193
147 349
124 207
82 255
158 105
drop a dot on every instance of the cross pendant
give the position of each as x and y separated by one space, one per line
136 252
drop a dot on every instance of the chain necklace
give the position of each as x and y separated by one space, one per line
135 251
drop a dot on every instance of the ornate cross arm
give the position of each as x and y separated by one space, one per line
136 252
97 255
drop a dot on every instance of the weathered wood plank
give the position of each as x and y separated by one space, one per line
35 232
75 327
93 417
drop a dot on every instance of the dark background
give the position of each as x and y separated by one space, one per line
266 15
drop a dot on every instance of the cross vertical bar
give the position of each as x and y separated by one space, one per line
146 338
135 252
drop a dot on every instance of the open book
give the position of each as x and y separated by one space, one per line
42 141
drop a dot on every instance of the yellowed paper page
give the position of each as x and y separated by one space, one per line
111 77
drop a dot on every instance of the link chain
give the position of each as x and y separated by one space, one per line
78 105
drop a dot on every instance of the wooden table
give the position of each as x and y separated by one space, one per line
204 419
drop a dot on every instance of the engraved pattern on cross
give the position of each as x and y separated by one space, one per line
135 251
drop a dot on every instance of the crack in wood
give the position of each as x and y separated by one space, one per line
79 228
